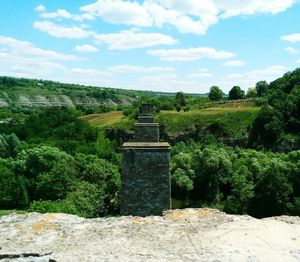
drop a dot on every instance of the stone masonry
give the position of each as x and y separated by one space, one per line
146 187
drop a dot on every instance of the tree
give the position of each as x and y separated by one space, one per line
51 172
212 167
236 93
266 128
9 189
102 173
272 190
179 101
182 175
251 93
215 94
261 88
8 144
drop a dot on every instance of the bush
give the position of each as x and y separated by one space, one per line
86 201
9 189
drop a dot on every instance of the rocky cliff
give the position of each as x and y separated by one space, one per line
179 235
22 100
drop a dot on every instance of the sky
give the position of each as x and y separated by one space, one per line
158 45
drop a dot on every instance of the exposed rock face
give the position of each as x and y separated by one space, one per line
57 100
180 235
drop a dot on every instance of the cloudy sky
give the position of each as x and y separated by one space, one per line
160 45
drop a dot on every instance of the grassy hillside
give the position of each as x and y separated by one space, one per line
108 119
236 119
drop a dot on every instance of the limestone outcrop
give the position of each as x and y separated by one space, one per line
179 235
24 100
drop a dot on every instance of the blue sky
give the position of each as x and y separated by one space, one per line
159 45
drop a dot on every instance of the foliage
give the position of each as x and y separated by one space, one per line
236 93
282 117
9 189
251 93
183 174
50 180
179 101
8 145
242 181
215 94
266 128
85 201
261 88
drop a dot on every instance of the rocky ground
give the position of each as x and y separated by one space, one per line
179 235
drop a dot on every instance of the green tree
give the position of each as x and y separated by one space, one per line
8 145
236 93
272 190
9 189
212 167
266 128
179 100
215 94
87 200
261 88
251 92
182 175
51 172
102 173
242 189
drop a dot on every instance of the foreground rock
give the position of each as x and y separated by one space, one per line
180 235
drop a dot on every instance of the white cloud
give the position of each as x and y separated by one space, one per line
119 12
40 8
268 73
235 76
170 14
190 54
130 39
90 72
291 50
234 63
24 59
60 13
64 14
59 31
291 38
139 69
21 58
298 61
23 48
202 73
188 16
85 48
233 8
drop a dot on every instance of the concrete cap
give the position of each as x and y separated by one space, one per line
146 145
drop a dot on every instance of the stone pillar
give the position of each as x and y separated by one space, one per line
146 186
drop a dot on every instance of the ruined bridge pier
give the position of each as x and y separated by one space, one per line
146 185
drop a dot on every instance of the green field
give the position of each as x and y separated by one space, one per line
104 120
13 211
237 119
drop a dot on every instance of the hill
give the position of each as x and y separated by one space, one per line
23 92
233 120
179 235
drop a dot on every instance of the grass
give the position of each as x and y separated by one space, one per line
8 212
105 119
237 119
